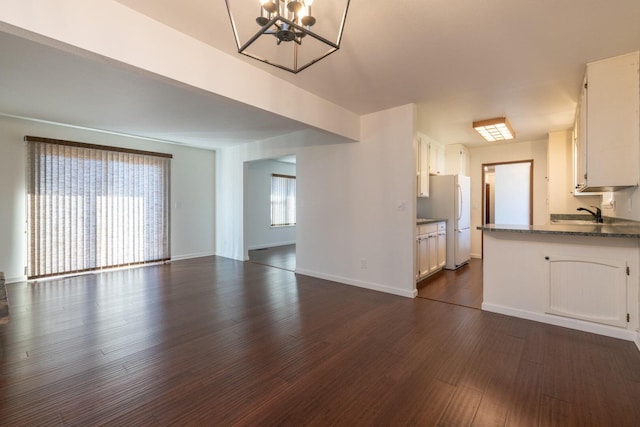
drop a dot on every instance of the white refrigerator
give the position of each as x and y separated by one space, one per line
449 198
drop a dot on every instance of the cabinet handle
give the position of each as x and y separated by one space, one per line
547 258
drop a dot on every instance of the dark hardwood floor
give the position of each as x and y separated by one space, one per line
213 341
279 256
461 287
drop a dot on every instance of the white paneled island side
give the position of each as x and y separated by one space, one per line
583 277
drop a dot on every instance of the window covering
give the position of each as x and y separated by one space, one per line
283 200
91 207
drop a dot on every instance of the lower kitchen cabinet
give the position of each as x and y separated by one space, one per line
591 289
589 283
422 256
431 249
442 245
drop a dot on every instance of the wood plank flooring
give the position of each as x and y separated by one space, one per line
213 341
278 256
461 287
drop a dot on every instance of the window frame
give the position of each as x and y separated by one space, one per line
288 205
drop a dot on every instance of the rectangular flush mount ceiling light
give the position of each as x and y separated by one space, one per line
497 129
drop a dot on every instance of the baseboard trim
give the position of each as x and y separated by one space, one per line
476 256
270 245
359 283
15 279
637 341
551 319
190 256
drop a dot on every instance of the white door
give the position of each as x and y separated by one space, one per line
463 208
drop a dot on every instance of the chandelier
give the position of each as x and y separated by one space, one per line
290 34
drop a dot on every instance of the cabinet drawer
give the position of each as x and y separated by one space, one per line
442 226
427 228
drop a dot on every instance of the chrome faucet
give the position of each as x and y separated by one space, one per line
597 214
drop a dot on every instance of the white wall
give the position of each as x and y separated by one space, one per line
192 190
507 152
348 197
627 204
560 167
112 30
260 233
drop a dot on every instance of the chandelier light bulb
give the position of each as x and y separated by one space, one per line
269 5
287 21
294 6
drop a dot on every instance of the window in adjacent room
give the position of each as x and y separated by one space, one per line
91 207
283 200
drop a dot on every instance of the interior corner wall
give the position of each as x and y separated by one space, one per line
260 233
498 153
355 201
192 190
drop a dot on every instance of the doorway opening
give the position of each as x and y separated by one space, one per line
270 212
507 193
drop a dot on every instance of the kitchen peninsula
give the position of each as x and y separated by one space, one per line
580 276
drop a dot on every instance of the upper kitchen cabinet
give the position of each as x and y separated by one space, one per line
457 159
430 161
607 129
436 158
422 167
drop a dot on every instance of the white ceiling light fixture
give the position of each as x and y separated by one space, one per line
497 129
284 37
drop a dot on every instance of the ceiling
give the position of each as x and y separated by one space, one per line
460 61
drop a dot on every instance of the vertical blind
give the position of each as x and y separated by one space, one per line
91 207
283 200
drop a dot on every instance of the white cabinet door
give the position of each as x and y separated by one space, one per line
423 256
423 167
591 289
436 158
608 135
456 159
442 248
432 240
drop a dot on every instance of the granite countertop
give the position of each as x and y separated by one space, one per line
622 229
421 221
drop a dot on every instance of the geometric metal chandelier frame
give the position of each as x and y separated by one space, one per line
285 38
